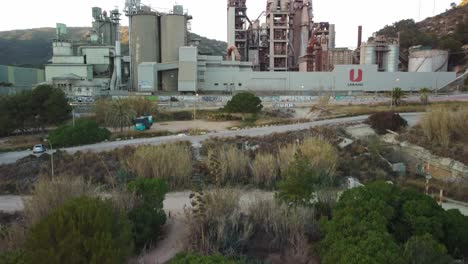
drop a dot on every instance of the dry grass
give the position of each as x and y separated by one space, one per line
265 170
171 162
217 224
356 110
443 125
47 195
233 165
317 150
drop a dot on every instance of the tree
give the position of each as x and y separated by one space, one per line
425 250
115 113
397 95
148 216
244 103
49 105
424 95
84 230
456 233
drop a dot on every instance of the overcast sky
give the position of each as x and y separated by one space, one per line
210 15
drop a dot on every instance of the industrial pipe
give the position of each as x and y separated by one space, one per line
237 56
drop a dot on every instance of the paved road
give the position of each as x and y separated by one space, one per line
11 157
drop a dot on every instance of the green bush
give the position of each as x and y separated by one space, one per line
12 257
426 250
84 230
148 216
382 121
245 103
194 258
372 224
301 182
84 132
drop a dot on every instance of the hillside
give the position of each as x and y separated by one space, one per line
448 31
32 47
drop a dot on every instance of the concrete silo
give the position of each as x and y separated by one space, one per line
368 54
173 36
392 58
144 41
428 61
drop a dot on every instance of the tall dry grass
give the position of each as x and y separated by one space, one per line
282 229
47 195
265 170
233 164
443 125
218 224
171 163
318 151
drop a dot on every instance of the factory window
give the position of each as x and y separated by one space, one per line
216 84
79 90
240 84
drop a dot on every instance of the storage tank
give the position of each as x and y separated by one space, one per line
428 61
392 58
62 48
368 54
144 41
173 36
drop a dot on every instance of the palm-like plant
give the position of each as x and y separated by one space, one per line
424 92
397 95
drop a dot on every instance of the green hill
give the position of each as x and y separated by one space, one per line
33 47
447 31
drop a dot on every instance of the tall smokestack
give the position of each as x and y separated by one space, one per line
359 37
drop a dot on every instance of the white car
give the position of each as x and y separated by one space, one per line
38 149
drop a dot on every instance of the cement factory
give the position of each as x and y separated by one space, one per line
283 51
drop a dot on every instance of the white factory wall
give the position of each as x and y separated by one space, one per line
97 56
61 70
68 59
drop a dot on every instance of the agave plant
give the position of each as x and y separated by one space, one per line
424 92
397 95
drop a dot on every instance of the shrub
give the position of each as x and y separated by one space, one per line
442 125
171 163
265 171
286 156
194 258
244 103
85 230
383 121
301 183
425 250
84 132
148 216
47 196
12 257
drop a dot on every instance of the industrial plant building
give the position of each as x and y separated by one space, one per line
283 51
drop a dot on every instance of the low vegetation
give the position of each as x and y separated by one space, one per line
443 125
442 130
82 133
